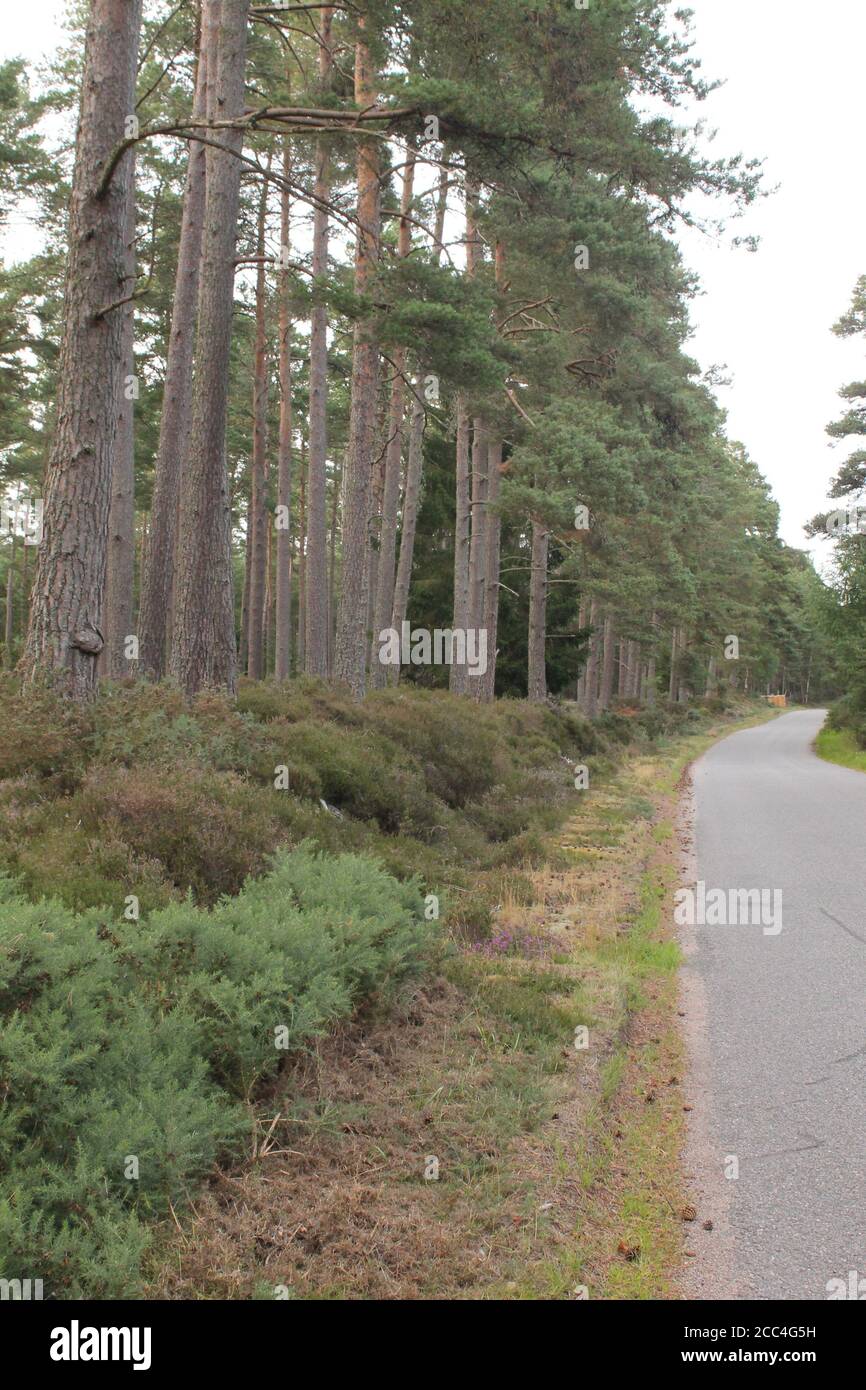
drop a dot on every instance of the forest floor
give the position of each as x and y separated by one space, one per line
514 1130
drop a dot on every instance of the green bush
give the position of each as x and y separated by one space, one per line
144 1041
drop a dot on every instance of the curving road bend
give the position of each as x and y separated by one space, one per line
776 1021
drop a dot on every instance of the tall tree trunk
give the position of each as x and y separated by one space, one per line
459 675
120 556
622 668
684 693
489 619
351 647
384 600
606 691
268 605
478 542
203 648
245 595
591 688
651 665
302 567
332 572
158 563
493 534
376 492
672 684
537 681
316 622
283 632
64 636
414 463
580 693
259 507
25 581
635 664
415 455
10 603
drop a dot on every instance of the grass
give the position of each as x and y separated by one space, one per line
840 746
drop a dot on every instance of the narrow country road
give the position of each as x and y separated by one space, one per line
777 1022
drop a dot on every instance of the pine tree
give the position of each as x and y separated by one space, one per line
203 641
64 637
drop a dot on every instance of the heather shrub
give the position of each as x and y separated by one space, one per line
208 832
149 794
41 735
87 869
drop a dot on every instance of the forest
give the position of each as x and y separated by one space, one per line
363 508
402 337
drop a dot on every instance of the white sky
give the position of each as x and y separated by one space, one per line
792 95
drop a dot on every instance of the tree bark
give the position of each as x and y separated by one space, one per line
493 534
672 684
245 595
580 693
651 663
486 685
414 463
268 605
415 456
377 489
332 573
120 556
592 663
622 667
203 648
682 693
478 542
258 539
537 679
64 635
351 645
10 603
316 621
636 664
283 633
606 692
384 601
459 675
302 566
158 564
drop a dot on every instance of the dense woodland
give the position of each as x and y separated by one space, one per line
357 314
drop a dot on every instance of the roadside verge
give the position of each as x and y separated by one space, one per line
516 1130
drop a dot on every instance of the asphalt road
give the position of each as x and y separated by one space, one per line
783 1026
